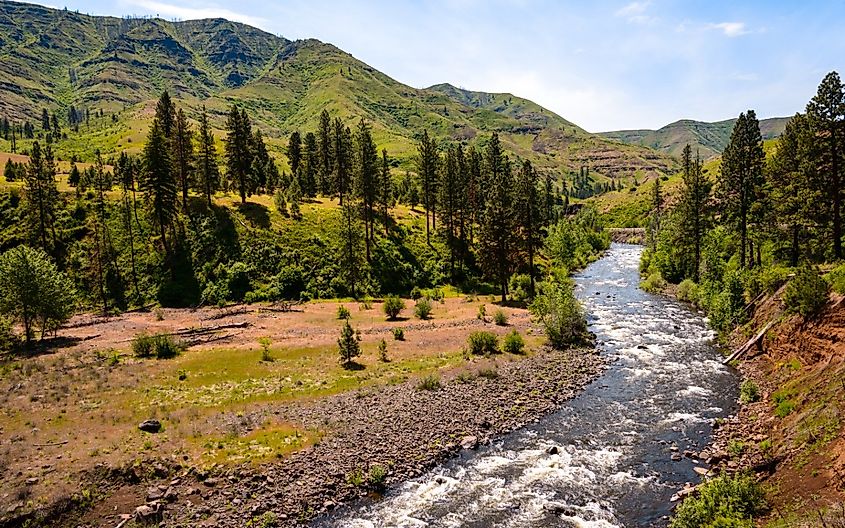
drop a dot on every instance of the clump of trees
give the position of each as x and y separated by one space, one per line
735 235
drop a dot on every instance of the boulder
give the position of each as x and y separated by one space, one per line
149 514
150 426
469 442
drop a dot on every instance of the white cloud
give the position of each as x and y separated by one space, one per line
730 29
633 9
185 12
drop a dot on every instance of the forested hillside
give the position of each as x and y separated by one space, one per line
707 139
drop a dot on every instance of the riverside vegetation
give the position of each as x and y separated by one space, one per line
764 219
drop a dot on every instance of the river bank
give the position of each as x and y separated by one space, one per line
403 429
790 429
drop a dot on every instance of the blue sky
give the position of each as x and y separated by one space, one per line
604 65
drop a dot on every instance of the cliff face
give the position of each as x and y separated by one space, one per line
793 436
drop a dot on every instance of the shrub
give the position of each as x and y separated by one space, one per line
382 351
280 202
773 277
366 304
398 334
513 343
355 477
688 291
560 313
722 502
748 392
482 313
488 373
416 293
348 344
393 306
160 346
806 294
654 283
422 309
784 408
520 287
500 318
34 292
377 476
736 448
836 279
8 340
483 343
727 306
343 312
265 343
430 383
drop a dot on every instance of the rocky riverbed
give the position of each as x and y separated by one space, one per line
401 428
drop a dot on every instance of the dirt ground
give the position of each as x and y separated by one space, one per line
75 406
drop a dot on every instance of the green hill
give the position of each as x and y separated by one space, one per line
57 58
708 138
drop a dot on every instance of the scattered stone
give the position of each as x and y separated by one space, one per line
150 426
210 482
701 471
149 513
155 494
552 450
469 442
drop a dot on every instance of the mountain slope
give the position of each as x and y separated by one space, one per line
709 139
55 58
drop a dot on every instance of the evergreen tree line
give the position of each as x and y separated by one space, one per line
759 211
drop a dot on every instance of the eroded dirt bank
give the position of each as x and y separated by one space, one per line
793 435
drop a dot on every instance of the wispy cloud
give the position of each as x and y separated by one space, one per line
730 29
636 12
187 12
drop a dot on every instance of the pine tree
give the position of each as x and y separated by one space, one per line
350 248
528 215
826 112
260 159
341 151
159 185
10 173
294 152
324 141
105 258
311 164
367 186
126 175
183 154
386 192
497 222
693 210
349 345
208 172
239 152
741 180
656 213
166 115
448 198
74 176
41 196
45 120
427 159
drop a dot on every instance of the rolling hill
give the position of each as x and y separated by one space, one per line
709 139
57 58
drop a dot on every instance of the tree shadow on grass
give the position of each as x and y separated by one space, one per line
257 214
43 347
353 365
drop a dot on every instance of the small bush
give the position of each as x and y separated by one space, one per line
343 312
482 313
430 383
422 309
382 351
520 287
416 293
366 304
377 476
736 448
654 283
160 346
688 291
488 373
182 374
773 277
483 343
560 313
722 502
513 343
806 294
265 343
398 334
784 408
748 392
393 306
355 477
836 279
500 318
348 344
159 314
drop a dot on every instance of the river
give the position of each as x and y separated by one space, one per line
605 459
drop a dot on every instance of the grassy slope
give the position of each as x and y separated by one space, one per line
122 65
709 139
